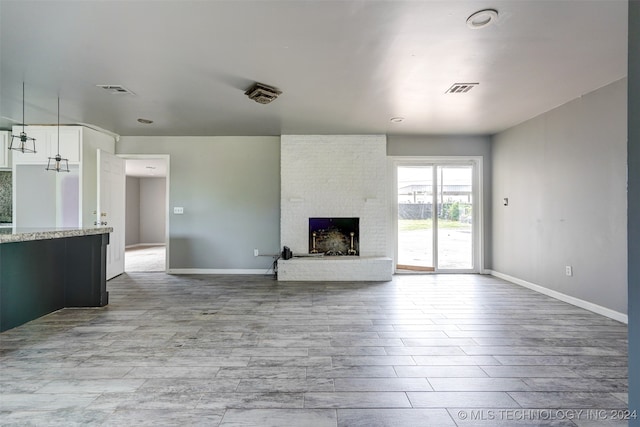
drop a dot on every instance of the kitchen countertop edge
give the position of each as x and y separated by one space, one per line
29 234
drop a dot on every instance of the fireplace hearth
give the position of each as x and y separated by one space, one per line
334 236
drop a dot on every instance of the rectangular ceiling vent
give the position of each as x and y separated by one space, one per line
262 93
116 89
461 87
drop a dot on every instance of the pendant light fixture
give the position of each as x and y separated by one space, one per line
57 163
22 142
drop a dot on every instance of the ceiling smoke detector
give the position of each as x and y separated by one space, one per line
461 87
262 93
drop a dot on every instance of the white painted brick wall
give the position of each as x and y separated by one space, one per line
337 269
333 176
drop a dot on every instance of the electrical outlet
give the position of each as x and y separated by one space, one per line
568 270
255 252
178 210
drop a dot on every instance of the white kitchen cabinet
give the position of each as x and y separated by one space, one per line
58 199
70 143
5 154
46 143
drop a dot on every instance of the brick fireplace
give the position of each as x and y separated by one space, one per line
334 176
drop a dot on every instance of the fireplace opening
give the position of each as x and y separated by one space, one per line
334 236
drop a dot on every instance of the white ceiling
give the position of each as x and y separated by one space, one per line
344 67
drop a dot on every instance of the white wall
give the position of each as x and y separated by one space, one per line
46 199
564 173
334 176
35 194
152 210
132 220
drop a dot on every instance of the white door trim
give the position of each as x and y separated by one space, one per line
478 193
111 208
166 158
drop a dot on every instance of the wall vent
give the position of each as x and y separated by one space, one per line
262 93
116 89
461 87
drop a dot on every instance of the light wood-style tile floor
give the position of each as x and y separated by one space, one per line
426 350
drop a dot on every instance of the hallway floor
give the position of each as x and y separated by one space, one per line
421 350
145 258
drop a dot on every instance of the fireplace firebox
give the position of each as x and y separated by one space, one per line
334 236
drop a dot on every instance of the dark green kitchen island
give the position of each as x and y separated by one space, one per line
42 271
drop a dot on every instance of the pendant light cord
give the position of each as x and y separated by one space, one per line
58 125
22 107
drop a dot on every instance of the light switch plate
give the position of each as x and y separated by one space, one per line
178 210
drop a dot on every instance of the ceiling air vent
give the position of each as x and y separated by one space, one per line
461 87
116 89
262 93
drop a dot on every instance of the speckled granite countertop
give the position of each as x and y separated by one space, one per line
8 235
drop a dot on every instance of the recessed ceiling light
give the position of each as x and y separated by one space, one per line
396 119
145 121
482 19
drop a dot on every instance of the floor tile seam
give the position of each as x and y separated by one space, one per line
430 384
457 417
527 380
485 371
521 380
195 406
565 393
396 372
36 391
56 397
513 398
129 372
572 365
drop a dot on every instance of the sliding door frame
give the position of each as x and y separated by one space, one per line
477 197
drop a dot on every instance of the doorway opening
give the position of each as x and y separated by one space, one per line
146 208
437 215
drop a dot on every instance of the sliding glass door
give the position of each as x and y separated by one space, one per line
415 218
436 216
454 199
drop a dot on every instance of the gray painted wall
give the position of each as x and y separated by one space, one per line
132 220
229 188
564 173
634 208
152 210
453 146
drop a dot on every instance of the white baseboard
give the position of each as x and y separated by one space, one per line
141 245
261 271
612 314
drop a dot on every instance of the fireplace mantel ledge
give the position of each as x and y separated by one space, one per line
336 268
336 257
